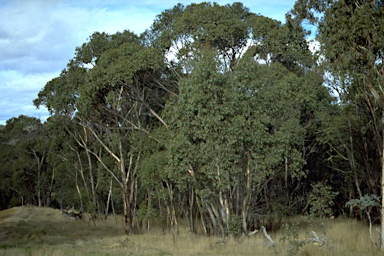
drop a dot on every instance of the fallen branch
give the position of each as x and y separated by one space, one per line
72 215
316 240
271 242
253 232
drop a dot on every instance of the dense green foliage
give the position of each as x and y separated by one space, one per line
215 115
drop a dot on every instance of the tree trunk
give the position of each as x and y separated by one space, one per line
124 181
219 217
79 191
247 197
49 197
382 189
213 220
191 209
39 161
200 208
108 201
91 179
126 210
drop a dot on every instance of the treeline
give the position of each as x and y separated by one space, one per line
215 115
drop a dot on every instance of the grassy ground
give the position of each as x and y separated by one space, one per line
44 231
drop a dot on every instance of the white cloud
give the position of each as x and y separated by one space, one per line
18 92
36 32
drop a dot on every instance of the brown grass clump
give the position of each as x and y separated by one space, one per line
44 231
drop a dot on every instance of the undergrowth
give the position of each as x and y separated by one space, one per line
43 231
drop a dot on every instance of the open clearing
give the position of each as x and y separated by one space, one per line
31 230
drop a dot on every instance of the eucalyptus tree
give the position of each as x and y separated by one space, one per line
104 90
158 191
275 42
121 97
241 107
241 128
240 139
183 29
230 31
351 38
72 165
214 151
185 33
175 34
60 96
10 195
30 177
201 128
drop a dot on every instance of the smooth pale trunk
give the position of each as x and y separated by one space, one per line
127 219
108 200
213 220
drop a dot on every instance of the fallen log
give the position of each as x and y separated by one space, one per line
316 240
270 241
72 215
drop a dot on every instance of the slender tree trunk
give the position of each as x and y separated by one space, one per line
39 183
219 217
382 188
200 207
246 199
149 207
172 213
124 181
39 161
213 220
191 209
49 196
126 210
108 201
79 191
91 179
61 197
113 208
161 210
131 178
40 204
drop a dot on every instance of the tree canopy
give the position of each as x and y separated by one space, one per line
215 115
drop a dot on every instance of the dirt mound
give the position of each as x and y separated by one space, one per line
22 223
30 214
20 226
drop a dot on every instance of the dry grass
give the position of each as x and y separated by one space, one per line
43 231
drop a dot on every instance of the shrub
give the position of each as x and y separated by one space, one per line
321 199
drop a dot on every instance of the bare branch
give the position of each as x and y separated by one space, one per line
316 240
158 117
271 242
103 164
102 143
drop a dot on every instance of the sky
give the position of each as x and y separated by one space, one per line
39 37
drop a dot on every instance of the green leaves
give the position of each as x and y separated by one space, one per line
235 128
321 199
99 43
351 39
184 31
366 202
224 123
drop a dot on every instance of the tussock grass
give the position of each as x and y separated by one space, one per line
44 231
